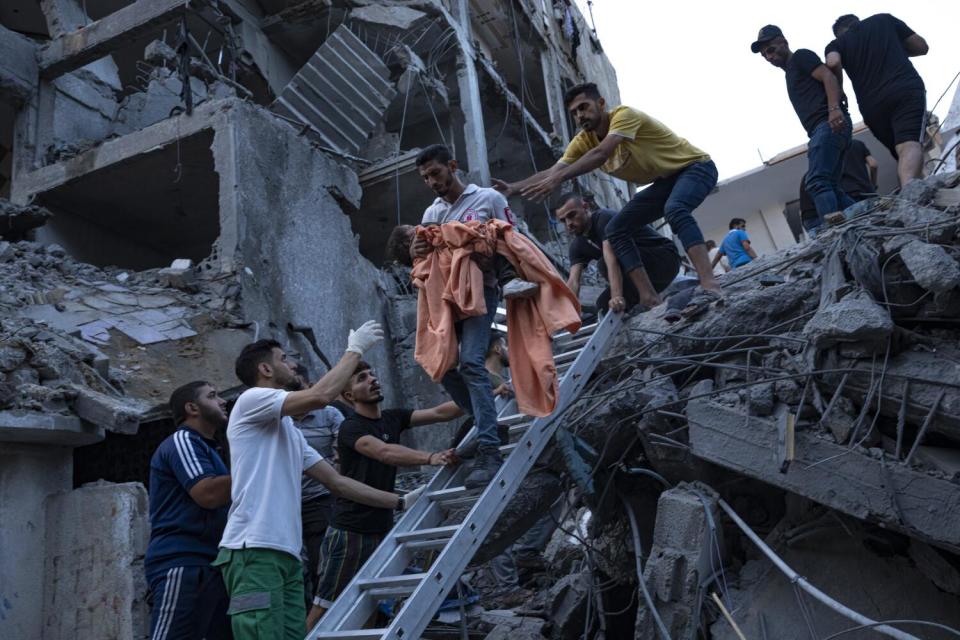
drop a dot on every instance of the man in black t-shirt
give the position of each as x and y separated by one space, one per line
820 105
661 260
876 53
370 451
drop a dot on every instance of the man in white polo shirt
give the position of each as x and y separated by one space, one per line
260 549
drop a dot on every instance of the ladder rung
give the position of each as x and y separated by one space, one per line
390 592
427 545
428 534
567 356
584 330
513 419
574 342
519 428
508 448
443 495
384 582
369 634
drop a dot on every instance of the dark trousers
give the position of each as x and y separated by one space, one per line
316 514
189 603
825 153
673 198
662 265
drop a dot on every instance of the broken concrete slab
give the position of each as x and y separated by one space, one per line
16 221
931 266
114 413
47 428
18 67
879 491
855 318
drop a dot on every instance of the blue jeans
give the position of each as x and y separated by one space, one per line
469 384
673 198
825 153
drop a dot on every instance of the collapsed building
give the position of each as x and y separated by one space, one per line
180 177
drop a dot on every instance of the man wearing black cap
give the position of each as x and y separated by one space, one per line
819 102
876 53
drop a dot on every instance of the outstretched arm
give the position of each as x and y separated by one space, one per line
617 302
350 489
592 159
515 188
573 282
831 86
440 413
397 455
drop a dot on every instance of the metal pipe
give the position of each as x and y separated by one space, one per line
802 583
923 427
638 553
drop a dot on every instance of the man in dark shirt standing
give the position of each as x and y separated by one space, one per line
859 181
370 451
189 500
819 103
660 257
876 53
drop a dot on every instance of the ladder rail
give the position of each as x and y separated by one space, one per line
355 605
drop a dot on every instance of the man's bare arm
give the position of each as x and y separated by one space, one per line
330 385
350 489
716 258
573 282
835 116
397 455
513 188
212 492
748 249
835 64
914 45
440 413
592 159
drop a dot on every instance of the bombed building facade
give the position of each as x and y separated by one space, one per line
180 177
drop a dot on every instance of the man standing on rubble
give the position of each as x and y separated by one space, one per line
659 255
260 549
736 245
370 452
821 106
468 384
631 145
189 500
891 95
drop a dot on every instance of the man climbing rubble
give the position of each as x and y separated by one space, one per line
891 95
189 501
260 549
370 452
589 243
631 145
821 107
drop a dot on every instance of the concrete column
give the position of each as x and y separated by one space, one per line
474 133
29 473
554 89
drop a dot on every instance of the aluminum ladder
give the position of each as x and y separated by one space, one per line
382 577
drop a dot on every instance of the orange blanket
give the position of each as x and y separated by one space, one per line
451 288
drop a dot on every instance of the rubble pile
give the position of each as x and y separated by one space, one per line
820 399
79 340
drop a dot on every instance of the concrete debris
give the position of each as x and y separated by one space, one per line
931 266
17 221
855 318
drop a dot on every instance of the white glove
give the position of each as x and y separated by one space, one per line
360 340
411 497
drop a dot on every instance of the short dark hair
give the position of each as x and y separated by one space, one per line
844 22
182 395
588 89
439 152
495 338
398 245
736 222
250 358
711 244
567 197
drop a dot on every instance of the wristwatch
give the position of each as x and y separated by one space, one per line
401 504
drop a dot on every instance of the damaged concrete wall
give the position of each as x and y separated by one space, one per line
94 584
298 256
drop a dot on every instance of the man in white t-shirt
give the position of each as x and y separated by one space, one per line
260 549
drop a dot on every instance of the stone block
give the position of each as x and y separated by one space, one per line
93 580
931 266
568 604
112 413
855 318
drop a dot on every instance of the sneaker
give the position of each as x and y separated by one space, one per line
485 467
518 288
835 218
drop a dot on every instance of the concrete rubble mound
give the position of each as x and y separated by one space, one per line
820 399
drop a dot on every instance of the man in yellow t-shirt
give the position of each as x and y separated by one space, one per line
629 144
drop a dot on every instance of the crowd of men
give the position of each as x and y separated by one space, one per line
240 550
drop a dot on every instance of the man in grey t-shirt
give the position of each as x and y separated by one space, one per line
468 384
